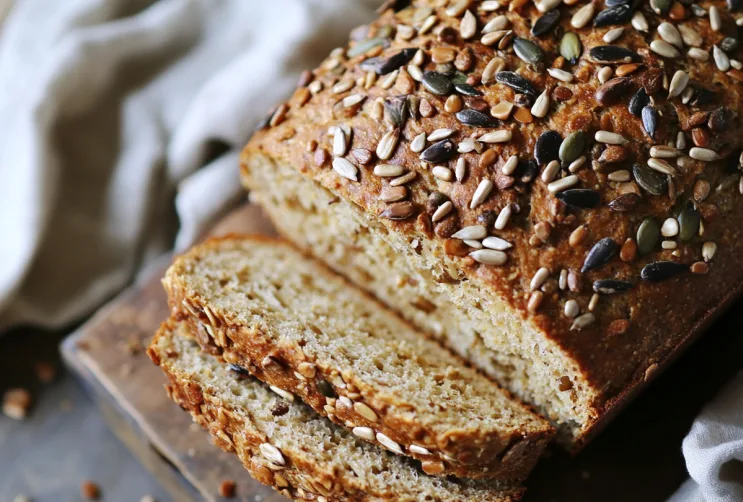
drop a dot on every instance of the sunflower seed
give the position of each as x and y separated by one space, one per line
613 54
721 59
489 256
502 220
708 250
670 34
393 194
577 164
468 26
611 286
547 147
342 86
442 173
541 105
364 433
481 193
388 170
473 232
405 178
437 83
572 309
494 37
365 46
546 23
621 14
715 19
415 72
510 165
340 147
663 48
386 65
583 321
440 134
547 5
551 171
473 244
664 152
703 154
661 270
698 54
561 75
648 236
442 211
418 450
418 143
490 5
639 22
528 51
570 47
388 443
638 101
580 197
540 276
496 243
476 118
439 152
600 254
345 168
500 136
689 36
582 16
388 143
689 220
650 119
610 138
613 35
661 166
498 23
502 110
270 452
459 169
678 83
515 82
493 67
605 74
562 184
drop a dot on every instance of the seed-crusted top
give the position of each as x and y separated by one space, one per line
581 161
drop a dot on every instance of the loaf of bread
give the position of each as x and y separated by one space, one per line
301 328
284 444
552 189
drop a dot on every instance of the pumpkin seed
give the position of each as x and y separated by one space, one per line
528 51
365 46
613 54
547 147
625 202
385 65
516 82
570 47
439 152
734 5
572 147
467 90
648 236
459 78
611 286
689 220
437 83
650 119
580 197
651 181
475 118
638 101
621 14
661 270
600 254
661 7
546 23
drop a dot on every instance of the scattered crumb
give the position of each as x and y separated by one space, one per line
45 372
21 498
90 490
227 489
147 498
16 403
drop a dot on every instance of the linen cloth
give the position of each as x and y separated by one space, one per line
120 126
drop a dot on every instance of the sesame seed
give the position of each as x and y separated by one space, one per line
419 450
502 220
510 166
500 136
610 138
540 276
481 193
442 211
489 256
562 184
388 443
442 173
364 433
572 309
472 232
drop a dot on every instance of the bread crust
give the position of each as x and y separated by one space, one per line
472 453
662 317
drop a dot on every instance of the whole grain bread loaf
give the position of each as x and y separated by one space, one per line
284 444
553 189
303 329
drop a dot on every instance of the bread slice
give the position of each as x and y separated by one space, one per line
305 330
284 444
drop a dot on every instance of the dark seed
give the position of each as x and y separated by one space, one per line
729 44
439 152
365 46
648 236
467 90
613 54
734 5
384 65
650 119
617 3
704 96
570 47
661 6
717 121
580 197
698 10
487 219
610 92
459 78
652 81
611 286
434 201
651 181
547 148
621 14
688 222
516 82
661 270
325 388
238 369
572 147
528 171
437 83
600 254
476 119
639 101
528 51
624 202
546 23
396 110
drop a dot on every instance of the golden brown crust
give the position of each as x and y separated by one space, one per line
631 331
474 453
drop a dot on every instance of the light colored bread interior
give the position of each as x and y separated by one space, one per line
319 457
415 277
275 292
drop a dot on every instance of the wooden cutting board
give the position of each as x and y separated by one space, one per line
637 458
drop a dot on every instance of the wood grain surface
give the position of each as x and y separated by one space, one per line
637 458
